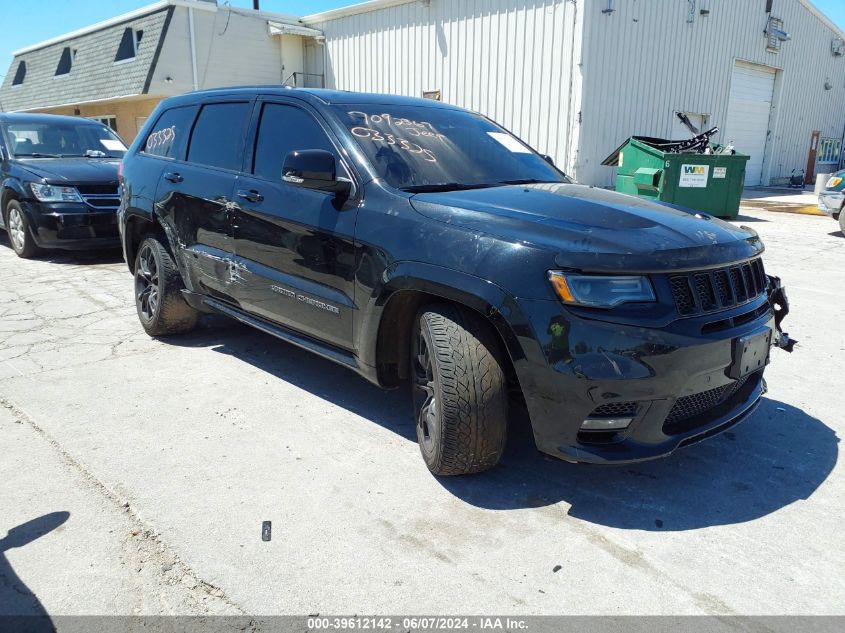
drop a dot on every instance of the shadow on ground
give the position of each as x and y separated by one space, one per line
20 608
776 457
73 258
837 234
747 218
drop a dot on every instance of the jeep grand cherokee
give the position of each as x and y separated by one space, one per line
414 241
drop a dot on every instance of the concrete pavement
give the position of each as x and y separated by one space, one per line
193 441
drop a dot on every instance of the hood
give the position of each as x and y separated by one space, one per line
72 171
594 229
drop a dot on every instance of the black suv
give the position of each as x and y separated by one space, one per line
411 240
59 182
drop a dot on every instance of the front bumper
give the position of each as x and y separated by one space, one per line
72 226
830 202
674 383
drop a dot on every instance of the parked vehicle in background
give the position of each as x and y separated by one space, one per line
832 198
58 182
410 240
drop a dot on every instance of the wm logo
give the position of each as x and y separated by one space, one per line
697 170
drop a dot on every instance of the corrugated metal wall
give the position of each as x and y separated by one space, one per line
644 61
521 62
508 59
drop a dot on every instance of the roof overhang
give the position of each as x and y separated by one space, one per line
283 28
353 9
119 98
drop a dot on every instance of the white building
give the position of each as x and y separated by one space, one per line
575 78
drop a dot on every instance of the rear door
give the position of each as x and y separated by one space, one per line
194 195
295 247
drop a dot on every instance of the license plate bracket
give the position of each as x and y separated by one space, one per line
750 353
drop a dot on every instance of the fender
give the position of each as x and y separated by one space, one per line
9 185
476 293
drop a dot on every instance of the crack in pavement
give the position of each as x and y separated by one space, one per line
151 547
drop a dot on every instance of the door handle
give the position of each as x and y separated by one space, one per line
172 176
250 196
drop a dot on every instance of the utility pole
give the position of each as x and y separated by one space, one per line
255 5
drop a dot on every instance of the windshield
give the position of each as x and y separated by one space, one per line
418 148
62 140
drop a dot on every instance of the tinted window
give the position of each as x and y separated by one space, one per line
170 133
217 139
420 146
20 74
65 62
126 49
284 129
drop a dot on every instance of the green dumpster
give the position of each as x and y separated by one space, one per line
709 182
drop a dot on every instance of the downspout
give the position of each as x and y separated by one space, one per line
193 46
570 163
282 59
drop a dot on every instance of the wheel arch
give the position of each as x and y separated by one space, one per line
136 226
411 286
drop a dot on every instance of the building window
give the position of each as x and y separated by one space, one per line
128 47
65 62
830 151
20 74
109 120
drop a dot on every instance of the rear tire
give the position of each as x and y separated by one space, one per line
459 390
20 236
161 307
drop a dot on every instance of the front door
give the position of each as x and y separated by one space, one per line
294 247
194 196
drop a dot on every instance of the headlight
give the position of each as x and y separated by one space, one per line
53 193
601 291
833 182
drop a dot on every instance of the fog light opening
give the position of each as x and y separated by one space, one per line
606 424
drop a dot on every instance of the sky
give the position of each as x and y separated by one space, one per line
32 21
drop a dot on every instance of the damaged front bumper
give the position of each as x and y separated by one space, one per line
780 305
607 392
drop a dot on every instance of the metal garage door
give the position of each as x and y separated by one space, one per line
749 108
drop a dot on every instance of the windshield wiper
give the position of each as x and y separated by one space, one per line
445 186
527 181
37 155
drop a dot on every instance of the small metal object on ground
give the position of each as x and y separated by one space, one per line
266 530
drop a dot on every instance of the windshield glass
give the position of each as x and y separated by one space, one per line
61 140
418 148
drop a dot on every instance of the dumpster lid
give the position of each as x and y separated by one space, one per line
694 145
613 159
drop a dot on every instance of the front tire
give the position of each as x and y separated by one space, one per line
161 307
20 236
459 391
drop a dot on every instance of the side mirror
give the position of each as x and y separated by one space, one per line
314 169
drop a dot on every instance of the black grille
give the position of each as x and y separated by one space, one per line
615 410
710 291
696 404
101 197
110 190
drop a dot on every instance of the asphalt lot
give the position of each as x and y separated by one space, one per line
136 474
